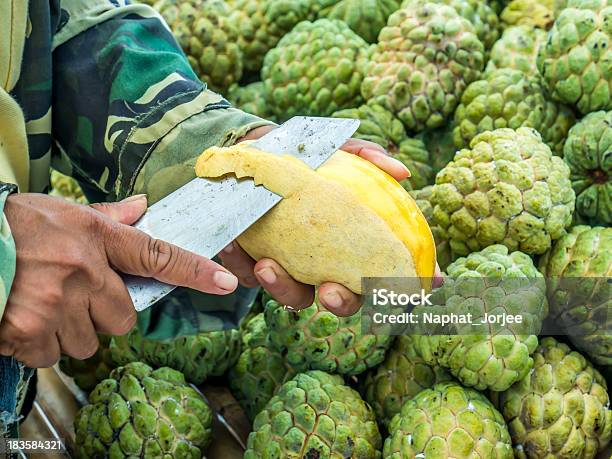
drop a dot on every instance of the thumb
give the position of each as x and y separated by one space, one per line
133 252
127 211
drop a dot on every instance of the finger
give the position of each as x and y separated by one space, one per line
127 211
40 354
338 299
376 155
438 278
78 338
111 310
133 252
282 286
239 263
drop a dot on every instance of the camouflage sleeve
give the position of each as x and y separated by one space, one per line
129 114
7 255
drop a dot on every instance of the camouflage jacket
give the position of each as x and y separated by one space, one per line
109 98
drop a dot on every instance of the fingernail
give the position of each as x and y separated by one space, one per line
332 299
229 248
136 197
268 275
402 165
225 280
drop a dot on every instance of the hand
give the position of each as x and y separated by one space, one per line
66 288
270 275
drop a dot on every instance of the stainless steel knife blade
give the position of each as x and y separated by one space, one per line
205 215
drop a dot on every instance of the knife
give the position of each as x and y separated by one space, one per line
205 215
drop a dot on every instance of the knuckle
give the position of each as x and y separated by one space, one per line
31 330
158 257
123 326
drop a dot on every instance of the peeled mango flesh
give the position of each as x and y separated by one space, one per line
588 153
139 412
401 376
314 415
316 339
507 189
577 270
575 59
348 211
561 409
495 282
448 421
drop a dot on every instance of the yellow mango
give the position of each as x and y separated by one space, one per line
345 221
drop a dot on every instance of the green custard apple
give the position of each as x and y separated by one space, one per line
364 17
198 357
497 283
314 415
260 369
448 421
577 270
527 12
507 98
89 372
380 126
139 412
517 49
316 69
262 23
401 376
575 59
424 59
316 339
588 153
507 189
251 99
208 37
561 409
478 13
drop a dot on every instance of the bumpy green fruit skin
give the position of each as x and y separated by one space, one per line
317 339
141 413
577 269
364 17
507 98
517 49
560 410
509 189
588 153
314 415
251 99
448 421
380 126
262 23
208 37
89 372
401 376
444 255
316 69
575 59
478 13
260 369
534 14
198 357
424 59
495 282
